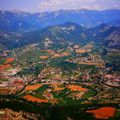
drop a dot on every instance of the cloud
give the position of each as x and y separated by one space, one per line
50 5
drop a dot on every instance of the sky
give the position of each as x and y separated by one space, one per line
52 5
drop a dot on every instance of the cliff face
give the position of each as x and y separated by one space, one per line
8 114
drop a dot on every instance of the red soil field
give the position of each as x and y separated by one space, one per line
4 90
65 54
49 51
9 60
44 57
34 99
103 113
4 67
77 88
32 87
58 89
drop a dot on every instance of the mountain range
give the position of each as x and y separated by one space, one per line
19 21
59 28
62 35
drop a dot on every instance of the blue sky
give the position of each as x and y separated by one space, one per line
51 5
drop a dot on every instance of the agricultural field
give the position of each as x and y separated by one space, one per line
62 79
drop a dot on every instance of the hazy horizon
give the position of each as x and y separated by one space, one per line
53 5
57 10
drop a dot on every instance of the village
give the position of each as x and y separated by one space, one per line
87 83
71 76
56 85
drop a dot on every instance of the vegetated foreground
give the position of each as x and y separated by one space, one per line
67 69
61 79
65 78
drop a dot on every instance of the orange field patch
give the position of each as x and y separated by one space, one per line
77 88
44 57
5 90
103 113
34 99
4 67
80 51
49 51
65 54
32 87
9 60
57 55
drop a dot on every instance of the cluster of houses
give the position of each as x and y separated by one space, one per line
88 60
111 80
11 86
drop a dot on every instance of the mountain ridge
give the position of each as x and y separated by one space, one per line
104 34
19 21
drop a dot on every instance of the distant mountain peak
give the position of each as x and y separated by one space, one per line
69 23
11 21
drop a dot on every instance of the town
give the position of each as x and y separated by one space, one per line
58 76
